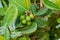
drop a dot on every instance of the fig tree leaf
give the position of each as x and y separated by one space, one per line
50 5
30 29
11 15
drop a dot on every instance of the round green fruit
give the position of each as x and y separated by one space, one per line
28 23
23 21
22 17
28 18
31 16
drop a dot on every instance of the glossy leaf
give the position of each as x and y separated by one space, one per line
11 15
50 5
42 11
30 29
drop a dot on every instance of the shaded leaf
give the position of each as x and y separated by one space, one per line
33 8
41 23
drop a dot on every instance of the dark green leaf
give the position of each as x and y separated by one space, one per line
47 13
33 8
41 23
42 11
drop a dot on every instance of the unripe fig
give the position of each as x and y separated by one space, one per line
28 23
23 21
31 16
28 18
22 17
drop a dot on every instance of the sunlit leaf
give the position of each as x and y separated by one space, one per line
11 15
50 5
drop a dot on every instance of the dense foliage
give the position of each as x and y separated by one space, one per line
30 20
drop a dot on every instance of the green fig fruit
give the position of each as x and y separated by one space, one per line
31 16
22 17
28 18
24 21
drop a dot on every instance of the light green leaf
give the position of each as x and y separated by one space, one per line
58 20
21 5
30 29
2 12
11 15
6 33
28 4
42 11
50 5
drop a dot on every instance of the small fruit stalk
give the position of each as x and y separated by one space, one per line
26 19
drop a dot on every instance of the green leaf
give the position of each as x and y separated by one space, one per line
58 20
6 33
47 13
33 8
2 11
41 23
11 15
42 11
15 34
50 5
30 29
22 6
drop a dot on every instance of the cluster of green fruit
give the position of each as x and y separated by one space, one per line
26 19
